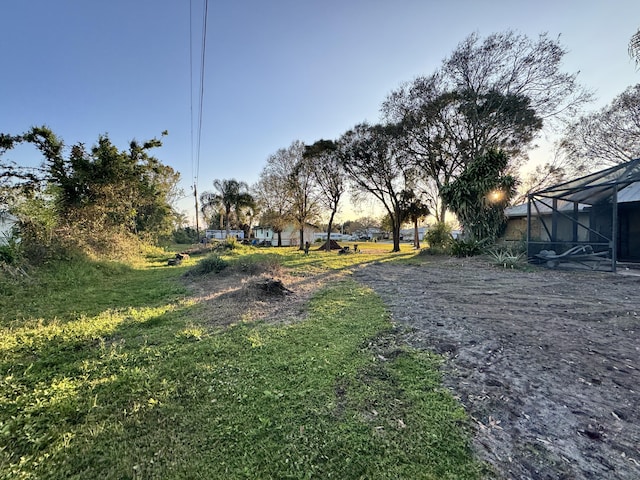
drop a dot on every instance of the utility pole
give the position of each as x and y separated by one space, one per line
195 195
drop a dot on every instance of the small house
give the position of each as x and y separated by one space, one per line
222 234
290 236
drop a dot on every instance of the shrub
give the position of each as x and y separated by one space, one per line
210 264
185 236
467 248
439 236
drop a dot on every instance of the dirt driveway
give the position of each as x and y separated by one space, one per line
547 363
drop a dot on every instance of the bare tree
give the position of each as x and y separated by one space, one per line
608 136
272 194
285 190
301 180
374 163
634 47
329 176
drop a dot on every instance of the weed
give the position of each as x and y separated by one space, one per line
507 258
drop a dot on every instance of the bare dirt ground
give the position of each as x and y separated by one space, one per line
267 293
545 362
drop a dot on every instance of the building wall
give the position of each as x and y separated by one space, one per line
517 229
222 234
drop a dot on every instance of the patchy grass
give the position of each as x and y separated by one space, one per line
134 386
67 290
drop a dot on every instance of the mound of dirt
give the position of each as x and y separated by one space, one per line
272 286
333 245
546 363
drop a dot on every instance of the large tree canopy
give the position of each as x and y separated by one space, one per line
108 187
99 192
495 93
607 137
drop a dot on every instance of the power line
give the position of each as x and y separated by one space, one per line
196 170
202 69
193 171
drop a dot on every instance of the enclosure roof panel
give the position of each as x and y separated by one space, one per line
598 187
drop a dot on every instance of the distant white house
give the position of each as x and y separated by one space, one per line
7 222
290 235
407 234
371 233
222 234
338 237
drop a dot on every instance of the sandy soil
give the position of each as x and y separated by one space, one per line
546 362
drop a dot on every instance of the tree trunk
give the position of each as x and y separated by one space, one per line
395 222
227 215
301 238
443 211
328 244
279 239
416 235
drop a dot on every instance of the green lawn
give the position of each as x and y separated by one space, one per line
105 372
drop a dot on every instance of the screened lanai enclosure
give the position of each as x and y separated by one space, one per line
592 221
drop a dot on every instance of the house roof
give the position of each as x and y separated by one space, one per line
600 186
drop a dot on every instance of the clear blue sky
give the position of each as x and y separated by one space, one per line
276 70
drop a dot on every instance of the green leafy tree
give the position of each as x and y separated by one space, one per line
103 191
231 197
15 181
480 194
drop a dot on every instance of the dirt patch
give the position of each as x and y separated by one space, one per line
545 362
256 292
